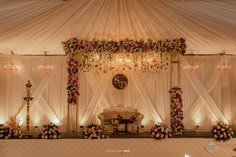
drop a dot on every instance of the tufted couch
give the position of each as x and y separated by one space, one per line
108 116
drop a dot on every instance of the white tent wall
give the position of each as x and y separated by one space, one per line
147 92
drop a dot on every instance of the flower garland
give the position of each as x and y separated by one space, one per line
5 132
75 45
176 111
222 132
93 131
160 131
50 131
72 83
102 56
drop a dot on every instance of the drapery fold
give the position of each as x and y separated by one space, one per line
32 27
204 94
208 95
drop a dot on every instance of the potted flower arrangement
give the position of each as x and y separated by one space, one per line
50 131
93 131
14 124
222 132
160 131
5 132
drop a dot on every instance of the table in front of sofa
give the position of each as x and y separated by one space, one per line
126 122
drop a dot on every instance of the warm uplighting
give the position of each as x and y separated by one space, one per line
45 66
2 121
191 68
11 66
55 120
197 118
224 67
21 120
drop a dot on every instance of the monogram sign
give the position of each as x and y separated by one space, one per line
120 81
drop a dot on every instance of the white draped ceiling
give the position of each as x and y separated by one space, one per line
35 26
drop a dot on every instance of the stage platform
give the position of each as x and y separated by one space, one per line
115 147
134 145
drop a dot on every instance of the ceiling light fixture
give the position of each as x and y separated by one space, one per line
45 66
11 66
191 68
224 67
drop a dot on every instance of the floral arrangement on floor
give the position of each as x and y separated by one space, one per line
5 132
176 111
72 83
93 131
50 131
14 124
160 131
222 132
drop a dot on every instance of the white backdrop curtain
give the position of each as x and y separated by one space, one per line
48 89
209 95
147 92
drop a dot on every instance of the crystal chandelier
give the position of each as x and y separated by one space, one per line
224 67
191 68
45 66
11 66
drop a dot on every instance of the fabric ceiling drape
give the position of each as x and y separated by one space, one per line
31 27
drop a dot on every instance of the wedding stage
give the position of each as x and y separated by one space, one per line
116 78
174 147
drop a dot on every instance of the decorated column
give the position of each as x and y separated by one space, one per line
176 114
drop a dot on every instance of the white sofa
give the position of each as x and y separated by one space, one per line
125 112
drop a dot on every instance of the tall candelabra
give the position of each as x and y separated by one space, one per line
28 98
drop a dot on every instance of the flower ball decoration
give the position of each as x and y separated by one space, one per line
50 131
222 132
160 131
5 132
93 131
